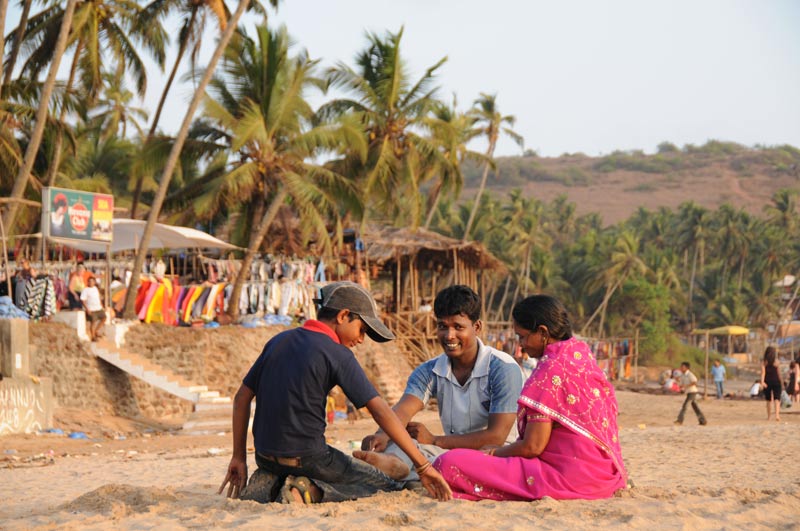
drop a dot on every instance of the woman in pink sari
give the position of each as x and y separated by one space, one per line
567 419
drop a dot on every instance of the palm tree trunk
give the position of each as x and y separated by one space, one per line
172 160
437 194
252 249
16 45
3 11
140 178
52 170
499 313
601 307
690 313
741 273
527 270
516 294
474 211
21 182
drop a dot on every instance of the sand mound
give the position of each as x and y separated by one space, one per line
119 500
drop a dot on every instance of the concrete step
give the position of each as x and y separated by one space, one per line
210 406
209 394
152 373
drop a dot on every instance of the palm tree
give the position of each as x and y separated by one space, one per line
392 110
783 211
169 165
15 44
692 235
258 110
3 10
194 15
451 130
491 122
114 112
623 262
21 182
99 28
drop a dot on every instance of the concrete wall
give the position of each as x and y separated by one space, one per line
26 406
14 359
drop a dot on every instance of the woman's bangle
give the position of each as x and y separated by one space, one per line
422 468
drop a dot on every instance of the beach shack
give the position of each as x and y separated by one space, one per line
409 266
733 345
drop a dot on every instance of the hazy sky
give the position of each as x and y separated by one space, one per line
580 76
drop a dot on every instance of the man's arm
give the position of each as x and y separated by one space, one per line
493 435
389 423
236 477
405 409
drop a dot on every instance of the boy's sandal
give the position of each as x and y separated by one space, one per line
303 486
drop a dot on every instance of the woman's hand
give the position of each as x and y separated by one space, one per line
489 449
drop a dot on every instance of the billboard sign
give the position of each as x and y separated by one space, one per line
76 215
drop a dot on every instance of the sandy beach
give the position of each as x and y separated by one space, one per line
739 472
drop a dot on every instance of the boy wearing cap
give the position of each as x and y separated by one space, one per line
290 381
475 385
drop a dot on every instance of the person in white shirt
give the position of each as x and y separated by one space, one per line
90 298
689 386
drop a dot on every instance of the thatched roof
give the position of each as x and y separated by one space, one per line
385 243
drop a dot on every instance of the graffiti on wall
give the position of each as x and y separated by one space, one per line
23 407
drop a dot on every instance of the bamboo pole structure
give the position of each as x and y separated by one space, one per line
455 267
705 391
636 356
397 301
5 254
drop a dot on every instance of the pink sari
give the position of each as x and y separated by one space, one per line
582 460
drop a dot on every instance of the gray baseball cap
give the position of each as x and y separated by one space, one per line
351 296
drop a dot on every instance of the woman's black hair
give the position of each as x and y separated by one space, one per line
770 354
537 310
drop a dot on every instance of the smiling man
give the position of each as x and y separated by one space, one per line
476 389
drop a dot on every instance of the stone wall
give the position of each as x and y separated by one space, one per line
82 381
218 358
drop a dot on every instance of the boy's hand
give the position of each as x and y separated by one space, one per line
236 478
435 484
375 443
420 432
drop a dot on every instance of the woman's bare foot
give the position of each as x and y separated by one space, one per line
389 464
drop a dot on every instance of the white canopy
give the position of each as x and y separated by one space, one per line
128 235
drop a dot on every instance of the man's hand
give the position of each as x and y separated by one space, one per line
375 443
236 478
435 484
420 432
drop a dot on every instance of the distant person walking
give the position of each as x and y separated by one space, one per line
718 373
771 382
793 385
688 382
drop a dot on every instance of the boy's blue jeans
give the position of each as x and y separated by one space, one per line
340 476
719 388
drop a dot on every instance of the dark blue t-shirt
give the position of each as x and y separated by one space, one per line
291 380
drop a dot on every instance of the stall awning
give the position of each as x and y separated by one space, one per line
730 330
128 235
